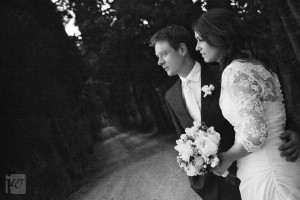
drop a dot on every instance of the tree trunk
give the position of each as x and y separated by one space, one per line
294 11
291 36
288 83
285 72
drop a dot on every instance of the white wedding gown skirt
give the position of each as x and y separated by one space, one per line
264 174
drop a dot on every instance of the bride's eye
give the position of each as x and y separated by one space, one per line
200 39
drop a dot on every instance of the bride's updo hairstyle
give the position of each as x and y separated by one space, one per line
223 29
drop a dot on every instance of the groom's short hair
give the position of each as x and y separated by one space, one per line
175 35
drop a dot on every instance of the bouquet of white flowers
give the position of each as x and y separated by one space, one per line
198 149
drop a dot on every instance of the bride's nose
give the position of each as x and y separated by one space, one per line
198 47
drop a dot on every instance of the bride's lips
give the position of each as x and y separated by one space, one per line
166 68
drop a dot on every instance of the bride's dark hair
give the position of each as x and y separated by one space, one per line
223 29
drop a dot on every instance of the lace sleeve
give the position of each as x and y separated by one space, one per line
246 92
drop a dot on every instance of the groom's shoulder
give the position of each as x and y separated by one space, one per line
173 90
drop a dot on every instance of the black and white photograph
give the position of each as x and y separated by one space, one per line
150 100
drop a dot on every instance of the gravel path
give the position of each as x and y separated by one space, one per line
132 166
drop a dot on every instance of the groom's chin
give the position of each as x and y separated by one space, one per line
170 73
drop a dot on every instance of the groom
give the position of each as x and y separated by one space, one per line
186 102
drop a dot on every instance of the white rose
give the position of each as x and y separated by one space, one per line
186 153
187 130
200 134
191 131
211 130
214 161
180 141
194 130
191 170
199 142
209 148
215 139
199 161
189 143
197 124
180 147
183 137
212 134
185 156
206 159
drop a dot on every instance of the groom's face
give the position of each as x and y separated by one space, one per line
169 58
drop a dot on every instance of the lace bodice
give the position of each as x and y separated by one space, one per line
246 89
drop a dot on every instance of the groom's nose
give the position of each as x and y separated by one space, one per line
160 61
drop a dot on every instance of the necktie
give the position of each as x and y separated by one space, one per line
191 101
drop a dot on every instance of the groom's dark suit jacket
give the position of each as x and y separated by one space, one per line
209 186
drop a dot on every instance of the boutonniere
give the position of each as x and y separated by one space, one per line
207 89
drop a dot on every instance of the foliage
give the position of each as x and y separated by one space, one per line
115 43
115 37
46 133
56 101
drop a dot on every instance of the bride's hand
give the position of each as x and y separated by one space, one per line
225 163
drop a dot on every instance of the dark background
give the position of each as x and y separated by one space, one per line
59 92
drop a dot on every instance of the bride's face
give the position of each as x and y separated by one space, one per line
208 52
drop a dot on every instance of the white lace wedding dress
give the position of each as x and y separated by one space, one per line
251 100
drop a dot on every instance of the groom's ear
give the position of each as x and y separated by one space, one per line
183 50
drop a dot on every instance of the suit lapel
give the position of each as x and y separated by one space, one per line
178 104
207 78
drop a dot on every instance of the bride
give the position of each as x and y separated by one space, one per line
251 100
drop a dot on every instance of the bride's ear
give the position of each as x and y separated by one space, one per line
183 50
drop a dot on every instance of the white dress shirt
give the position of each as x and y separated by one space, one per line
191 91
